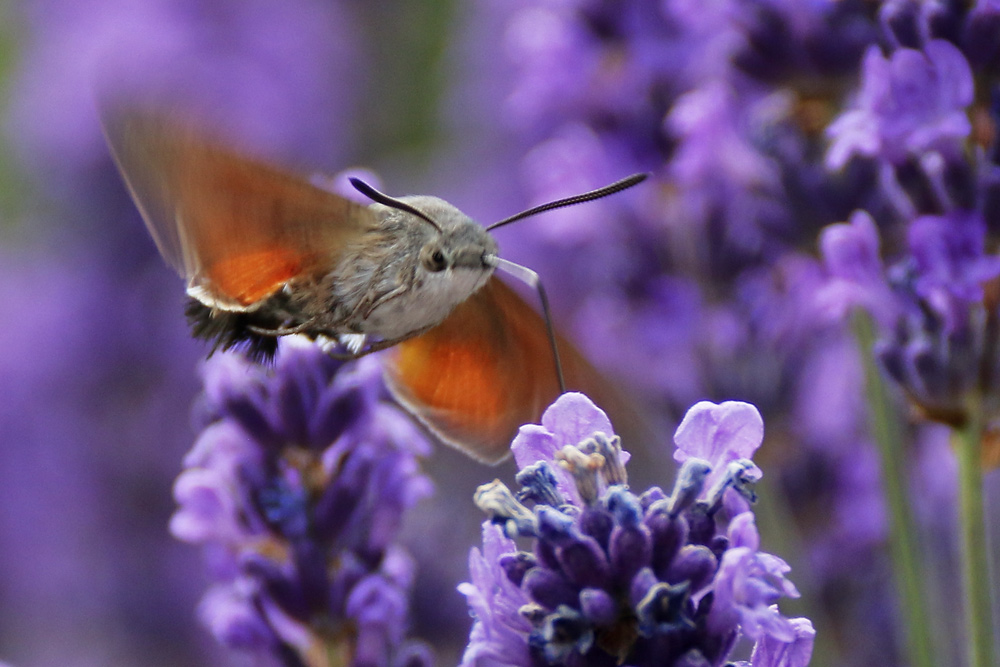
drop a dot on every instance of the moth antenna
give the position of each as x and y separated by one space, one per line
392 202
617 186
532 279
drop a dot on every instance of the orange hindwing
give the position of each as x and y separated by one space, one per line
484 371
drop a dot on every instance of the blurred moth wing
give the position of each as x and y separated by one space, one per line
474 379
236 229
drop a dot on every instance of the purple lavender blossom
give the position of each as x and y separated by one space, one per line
950 261
731 106
856 273
615 577
769 652
296 489
498 636
933 293
702 287
926 302
912 119
750 605
719 434
910 104
980 34
912 24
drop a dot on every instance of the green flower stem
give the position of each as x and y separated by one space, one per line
975 565
903 542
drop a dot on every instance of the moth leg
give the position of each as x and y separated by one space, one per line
372 347
280 331
379 345
354 342
366 306
383 298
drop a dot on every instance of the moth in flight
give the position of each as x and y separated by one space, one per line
265 253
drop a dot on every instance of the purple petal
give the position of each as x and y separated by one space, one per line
719 434
499 634
598 606
548 588
231 616
573 418
207 510
570 420
743 531
771 652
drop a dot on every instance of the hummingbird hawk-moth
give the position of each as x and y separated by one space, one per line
266 253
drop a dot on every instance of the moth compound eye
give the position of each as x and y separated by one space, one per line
434 259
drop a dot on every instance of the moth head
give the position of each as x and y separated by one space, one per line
453 240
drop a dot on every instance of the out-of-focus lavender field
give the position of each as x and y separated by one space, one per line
729 275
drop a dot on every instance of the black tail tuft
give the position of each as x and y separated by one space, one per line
226 330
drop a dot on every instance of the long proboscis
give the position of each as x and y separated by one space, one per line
617 186
532 278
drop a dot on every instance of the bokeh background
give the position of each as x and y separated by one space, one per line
698 284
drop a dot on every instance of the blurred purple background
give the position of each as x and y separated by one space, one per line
699 284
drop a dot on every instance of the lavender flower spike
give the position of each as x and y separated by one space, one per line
296 489
616 578
926 303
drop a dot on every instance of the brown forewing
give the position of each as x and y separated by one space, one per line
233 226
